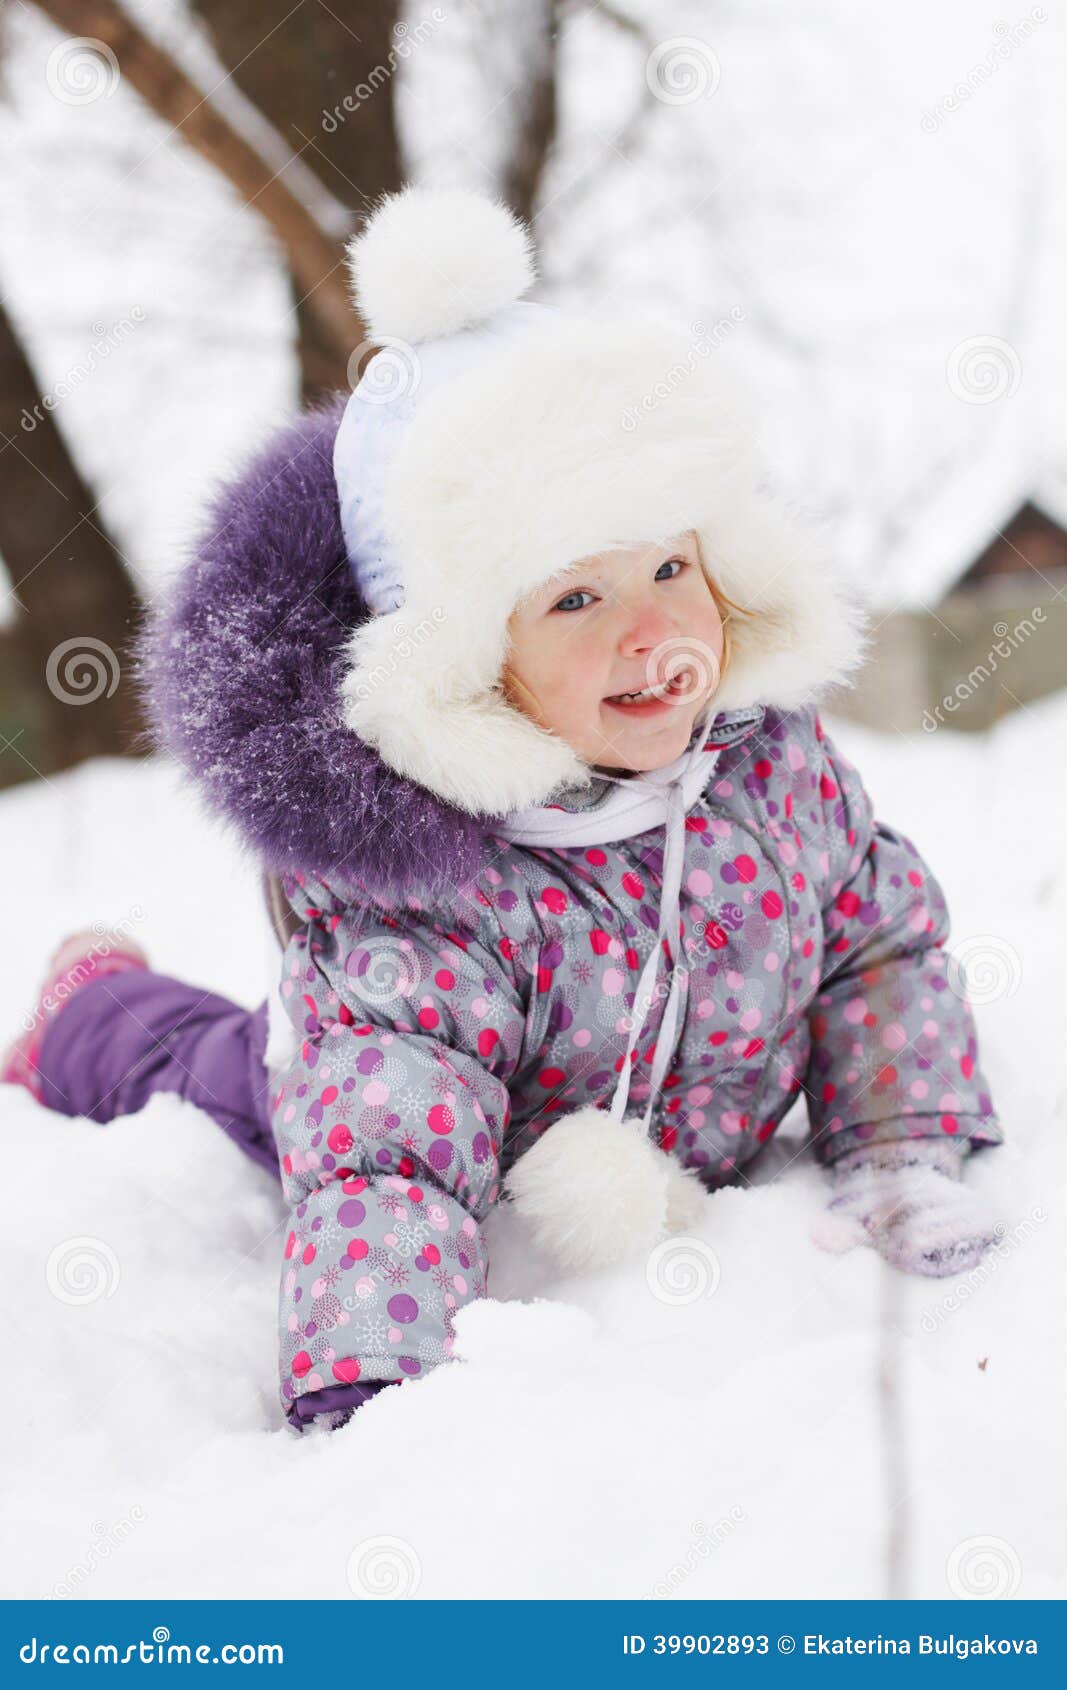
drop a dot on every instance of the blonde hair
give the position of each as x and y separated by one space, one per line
722 598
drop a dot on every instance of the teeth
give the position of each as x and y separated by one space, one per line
650 692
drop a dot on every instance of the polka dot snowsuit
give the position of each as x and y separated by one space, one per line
436 1044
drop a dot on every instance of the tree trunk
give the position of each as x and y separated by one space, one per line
65 693
315 258
297 67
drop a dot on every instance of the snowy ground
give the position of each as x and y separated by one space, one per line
600 1441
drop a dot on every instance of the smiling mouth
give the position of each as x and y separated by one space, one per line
669 689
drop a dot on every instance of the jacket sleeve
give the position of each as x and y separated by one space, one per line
389 1122
894 1052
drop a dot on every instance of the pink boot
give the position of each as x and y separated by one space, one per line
82 957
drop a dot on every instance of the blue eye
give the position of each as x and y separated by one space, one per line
581 594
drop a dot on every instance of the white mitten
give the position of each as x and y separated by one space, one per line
906 1198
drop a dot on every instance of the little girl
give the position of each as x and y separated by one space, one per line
507 669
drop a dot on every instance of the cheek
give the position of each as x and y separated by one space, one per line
570 684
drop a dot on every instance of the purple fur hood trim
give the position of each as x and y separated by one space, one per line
240 669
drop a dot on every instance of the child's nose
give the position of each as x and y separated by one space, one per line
647 625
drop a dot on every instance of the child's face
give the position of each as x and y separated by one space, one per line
639 618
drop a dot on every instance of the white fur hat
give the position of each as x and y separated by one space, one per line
499 442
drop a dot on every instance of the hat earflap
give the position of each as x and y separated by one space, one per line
447 728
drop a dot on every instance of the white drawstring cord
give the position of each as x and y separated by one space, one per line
670 898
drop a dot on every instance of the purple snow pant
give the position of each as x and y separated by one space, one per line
124 1037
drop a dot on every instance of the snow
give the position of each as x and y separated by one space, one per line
597 1440
714 1432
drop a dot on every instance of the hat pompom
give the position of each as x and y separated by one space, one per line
431 261
596 1191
